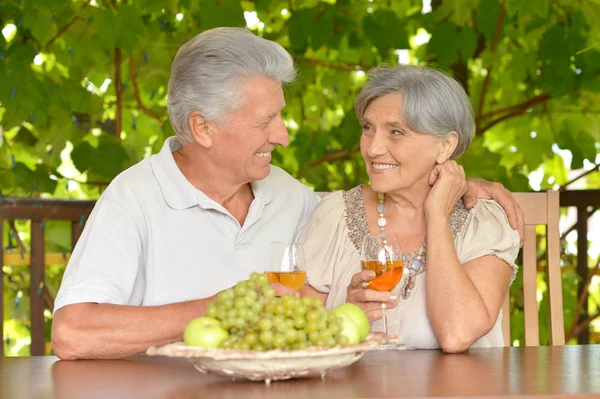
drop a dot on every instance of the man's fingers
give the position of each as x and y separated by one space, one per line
469 200
521 222
506 201
281 289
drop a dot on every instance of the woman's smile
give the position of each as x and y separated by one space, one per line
378 167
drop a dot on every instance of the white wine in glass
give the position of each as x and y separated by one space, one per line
284 260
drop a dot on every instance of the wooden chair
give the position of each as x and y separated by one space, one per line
539 209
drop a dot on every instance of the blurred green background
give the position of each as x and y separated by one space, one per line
83 86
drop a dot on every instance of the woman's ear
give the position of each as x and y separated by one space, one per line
202 130
449 144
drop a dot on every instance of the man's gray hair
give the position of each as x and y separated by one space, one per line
433 102
208 72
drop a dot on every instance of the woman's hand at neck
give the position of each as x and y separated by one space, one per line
449 184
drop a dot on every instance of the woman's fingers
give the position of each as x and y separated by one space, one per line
368 295
369 300
359 279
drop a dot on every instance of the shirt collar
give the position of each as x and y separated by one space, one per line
263 189
179 193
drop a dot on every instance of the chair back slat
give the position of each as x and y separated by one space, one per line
557 329
534 206
506 320
529 270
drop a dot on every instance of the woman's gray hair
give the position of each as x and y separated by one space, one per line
433 102
208 71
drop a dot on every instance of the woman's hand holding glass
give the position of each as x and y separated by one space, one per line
369 300
381 258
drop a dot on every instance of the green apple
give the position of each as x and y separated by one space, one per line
357 315
204 332
349 329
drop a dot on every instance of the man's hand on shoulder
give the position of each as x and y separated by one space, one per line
482 189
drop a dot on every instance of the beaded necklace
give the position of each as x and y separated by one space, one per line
416 263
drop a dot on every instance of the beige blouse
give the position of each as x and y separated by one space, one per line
332 240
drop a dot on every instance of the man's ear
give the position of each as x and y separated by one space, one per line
202 130
448 146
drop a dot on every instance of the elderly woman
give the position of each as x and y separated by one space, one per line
415 123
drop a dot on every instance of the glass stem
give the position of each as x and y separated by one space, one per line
384 311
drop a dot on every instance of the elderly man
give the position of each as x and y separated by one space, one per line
173 231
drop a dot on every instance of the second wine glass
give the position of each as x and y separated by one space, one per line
283 266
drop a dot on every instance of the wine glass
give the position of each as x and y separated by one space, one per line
283 266
382 255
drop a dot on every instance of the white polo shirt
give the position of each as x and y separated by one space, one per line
154 239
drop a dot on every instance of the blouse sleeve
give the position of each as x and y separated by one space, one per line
489 233
322 240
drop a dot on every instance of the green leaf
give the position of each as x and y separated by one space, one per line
577 140
534 9
349 130
42 182
512 7
24 136
386 31
443 44
106 23
107 160
299 26
462 11
58 235
467 42
130 27
222 13
40 22
323 32
5 156
23 177
487 18
559 44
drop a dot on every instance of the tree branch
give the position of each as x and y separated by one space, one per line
136 91
119 113
64 28
512 107
91 183
340 67
550 122
564 186
334 156
581 327
486 80
48 299
575 329
519 109
11 224
572 227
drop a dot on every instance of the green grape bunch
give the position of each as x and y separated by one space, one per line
258 320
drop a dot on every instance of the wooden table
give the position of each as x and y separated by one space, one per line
495 372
